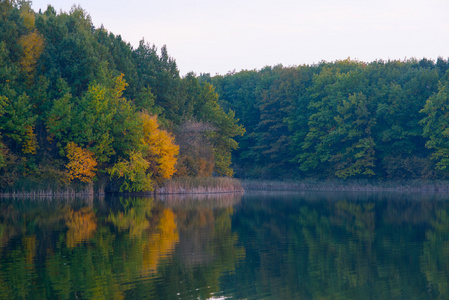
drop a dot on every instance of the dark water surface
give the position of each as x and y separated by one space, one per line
255 246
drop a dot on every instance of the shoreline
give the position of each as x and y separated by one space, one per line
348 185
178 186
222 185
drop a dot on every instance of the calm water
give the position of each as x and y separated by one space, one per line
256 246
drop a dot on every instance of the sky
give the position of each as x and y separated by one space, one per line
219 36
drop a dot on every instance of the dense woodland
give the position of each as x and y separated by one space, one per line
79 105
347 119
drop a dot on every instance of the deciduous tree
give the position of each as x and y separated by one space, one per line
82 163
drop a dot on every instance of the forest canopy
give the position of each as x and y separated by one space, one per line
79 106
346 119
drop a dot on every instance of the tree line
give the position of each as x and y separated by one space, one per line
345 119
79 105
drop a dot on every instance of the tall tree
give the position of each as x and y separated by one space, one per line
436 126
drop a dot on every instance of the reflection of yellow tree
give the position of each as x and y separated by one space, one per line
207 233
154 242
435 257
86 271
82 225
161 243
29 243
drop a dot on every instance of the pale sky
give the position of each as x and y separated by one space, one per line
217 36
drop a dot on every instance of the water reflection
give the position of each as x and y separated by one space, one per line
116 248
256 246
344 246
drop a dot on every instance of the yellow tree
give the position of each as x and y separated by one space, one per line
154 162
27 15
32 47
160 148
81 163
30 142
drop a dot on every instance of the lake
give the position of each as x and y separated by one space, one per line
228 246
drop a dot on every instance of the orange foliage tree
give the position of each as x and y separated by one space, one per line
154 162
160 148
81 163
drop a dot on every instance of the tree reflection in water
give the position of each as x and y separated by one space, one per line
115 248
343 246
271 246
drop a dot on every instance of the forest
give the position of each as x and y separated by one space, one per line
384 120
80 106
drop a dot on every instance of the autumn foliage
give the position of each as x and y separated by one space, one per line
160 147
81 163
80 101
30 144
155 162
32 45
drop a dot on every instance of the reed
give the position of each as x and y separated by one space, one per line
200 185
66 192
345 185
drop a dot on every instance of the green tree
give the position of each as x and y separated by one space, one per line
354 133
227 129
329 91
17 121
436 125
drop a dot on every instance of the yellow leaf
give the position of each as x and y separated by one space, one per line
32 45
81 163
162 151
30 144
